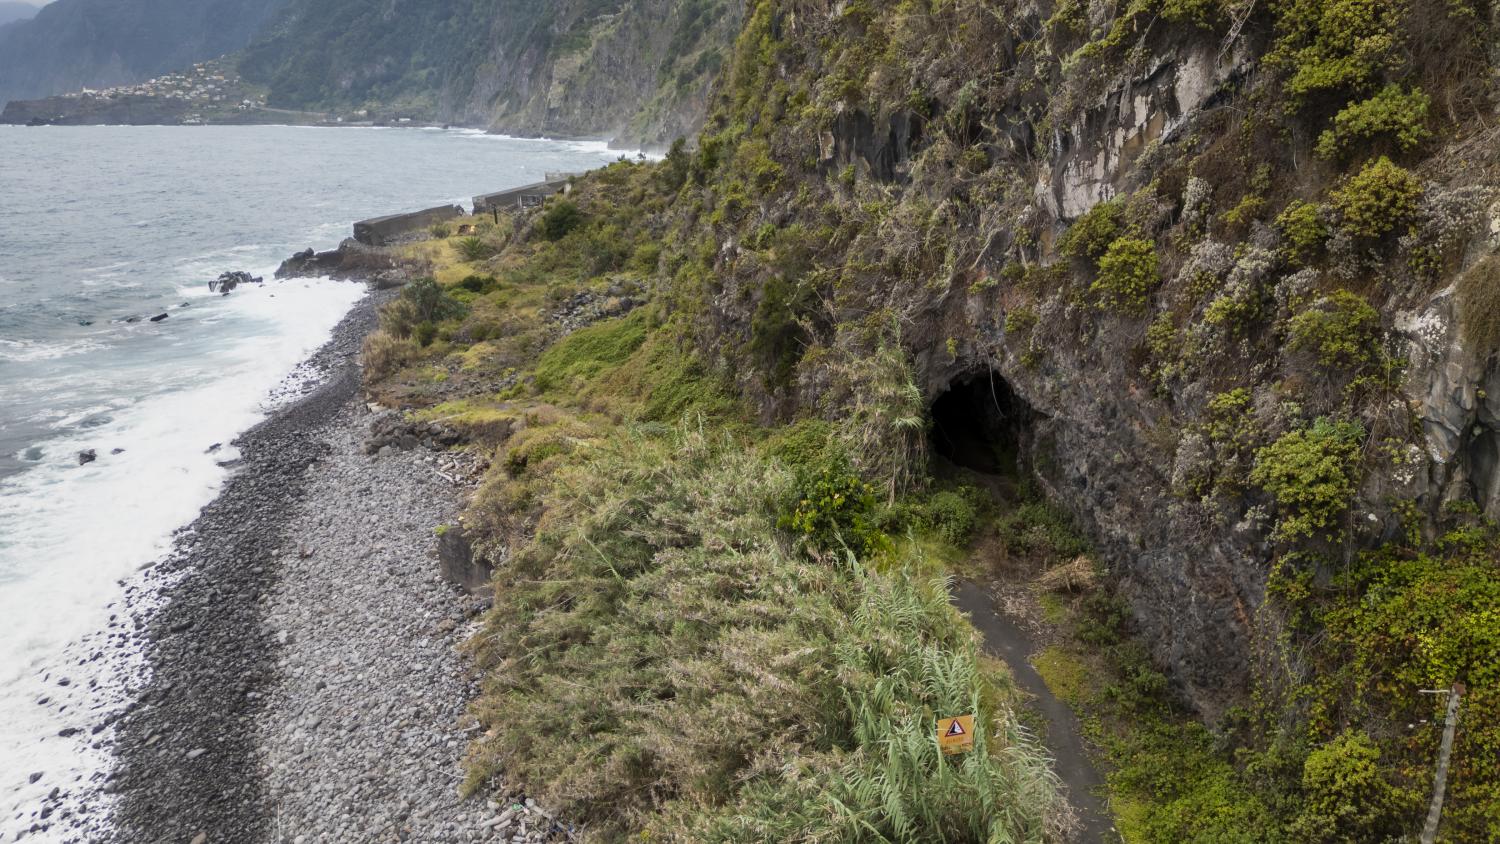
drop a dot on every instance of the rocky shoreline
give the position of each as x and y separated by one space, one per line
302 679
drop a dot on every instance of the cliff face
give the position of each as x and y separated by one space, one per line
634 70
72 44
1197 239
638 71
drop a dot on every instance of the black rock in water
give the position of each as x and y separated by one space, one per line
158 317
230 280
87 456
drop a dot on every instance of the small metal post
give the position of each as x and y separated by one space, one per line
1440 778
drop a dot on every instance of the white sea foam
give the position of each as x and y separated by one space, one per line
160 228
32 350
74 532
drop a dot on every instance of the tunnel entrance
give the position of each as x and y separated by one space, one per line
979 423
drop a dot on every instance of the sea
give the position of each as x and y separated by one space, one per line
101 229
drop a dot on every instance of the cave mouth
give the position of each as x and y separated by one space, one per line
979 423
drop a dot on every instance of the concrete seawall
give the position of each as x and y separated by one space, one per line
382 230
525 196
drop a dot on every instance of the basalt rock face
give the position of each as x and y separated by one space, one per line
1455 397
1095 208
352 260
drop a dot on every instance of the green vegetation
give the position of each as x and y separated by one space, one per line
584 354
777 338
560 219
1347 798
1399 115
660 579
831 510
810 277
1301 223
1092 234
1342 329
1311 472
1377 200
474 248
1127 272
1335 45
416 312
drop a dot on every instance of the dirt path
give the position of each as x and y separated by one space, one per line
1005 639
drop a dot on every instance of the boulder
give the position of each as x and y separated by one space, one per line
230 280
88 455
459 564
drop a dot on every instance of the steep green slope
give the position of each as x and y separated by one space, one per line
636 69
1236 258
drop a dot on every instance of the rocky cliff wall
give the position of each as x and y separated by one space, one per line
1133 217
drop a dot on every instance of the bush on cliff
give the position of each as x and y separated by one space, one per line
1341 329
1127 272
1311 474
561 217
1399 115
1379 199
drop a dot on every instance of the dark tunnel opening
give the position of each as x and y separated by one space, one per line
979 423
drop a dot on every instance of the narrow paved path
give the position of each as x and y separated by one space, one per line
1005 639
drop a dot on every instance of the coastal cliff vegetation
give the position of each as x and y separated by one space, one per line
1236 262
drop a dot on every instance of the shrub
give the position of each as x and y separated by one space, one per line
440 230
1127 272
644 259
1341 329
1203 13
674 170
1345 797
1392 112
421 301
951 514
1020 320
385 355
1093 233
479 283
1311 474
1036 529
1331 45
561 217
1479 307
1301 224
1401 623
1378 199
832 509
474 248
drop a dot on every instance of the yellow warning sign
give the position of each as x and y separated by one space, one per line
956 735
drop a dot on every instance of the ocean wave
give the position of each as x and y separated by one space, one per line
22 351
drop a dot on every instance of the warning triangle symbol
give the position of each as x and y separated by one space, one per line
954 729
